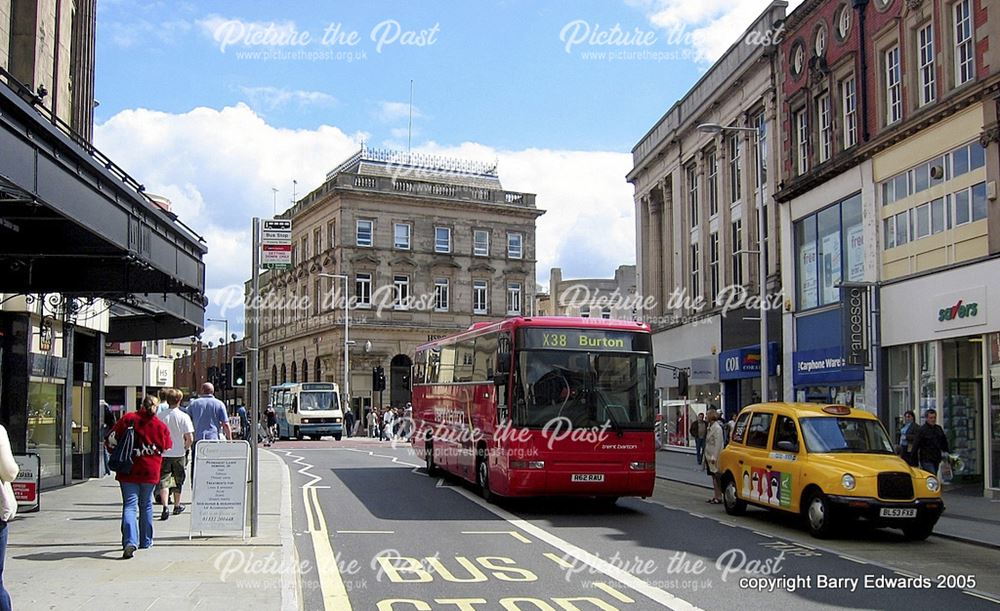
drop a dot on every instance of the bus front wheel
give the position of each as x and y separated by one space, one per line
338 436
297 433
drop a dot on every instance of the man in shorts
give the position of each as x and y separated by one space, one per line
172 469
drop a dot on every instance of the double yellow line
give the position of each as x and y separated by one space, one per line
330 581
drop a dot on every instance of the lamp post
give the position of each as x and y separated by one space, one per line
347 342
225 354
716 128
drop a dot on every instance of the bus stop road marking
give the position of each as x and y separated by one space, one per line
330 582
616 573
555 558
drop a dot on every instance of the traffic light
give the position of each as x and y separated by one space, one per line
378 378
239 372
224 376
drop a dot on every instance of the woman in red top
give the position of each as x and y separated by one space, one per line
152 437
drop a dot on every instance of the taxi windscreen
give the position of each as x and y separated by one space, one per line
853 435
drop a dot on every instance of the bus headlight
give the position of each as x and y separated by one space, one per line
848 481
527 464
305 421
336 420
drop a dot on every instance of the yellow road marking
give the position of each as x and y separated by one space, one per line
512 533
613 592
330 581
558 560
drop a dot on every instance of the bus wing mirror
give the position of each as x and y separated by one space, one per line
503 363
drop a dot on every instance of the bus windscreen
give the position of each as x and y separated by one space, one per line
318 400
587 388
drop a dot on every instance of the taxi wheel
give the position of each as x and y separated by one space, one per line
483 476
819 516
918 531
734 506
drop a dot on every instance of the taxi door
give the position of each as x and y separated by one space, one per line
753 482
783 468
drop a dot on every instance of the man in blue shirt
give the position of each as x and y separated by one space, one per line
209 417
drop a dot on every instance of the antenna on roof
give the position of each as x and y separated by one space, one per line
274 208
409 126
295 184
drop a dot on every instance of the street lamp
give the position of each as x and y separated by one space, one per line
347 342
715 128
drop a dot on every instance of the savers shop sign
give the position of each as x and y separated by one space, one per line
960 309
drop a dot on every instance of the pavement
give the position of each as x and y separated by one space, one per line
68 555
969 517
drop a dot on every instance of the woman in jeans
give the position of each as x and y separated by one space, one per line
8 472
152 437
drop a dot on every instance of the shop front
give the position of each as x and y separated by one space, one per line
687 377
739 374
941 334
820 370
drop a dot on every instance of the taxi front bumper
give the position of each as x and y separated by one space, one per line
871 509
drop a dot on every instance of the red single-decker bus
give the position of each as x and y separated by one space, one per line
539 406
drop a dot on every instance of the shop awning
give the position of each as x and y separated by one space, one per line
71 221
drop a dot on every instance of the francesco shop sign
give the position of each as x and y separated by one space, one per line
960 309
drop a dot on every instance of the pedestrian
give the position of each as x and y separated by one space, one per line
8 473
907 433
151 438
241 411
698 430
373 423
271 417
162 395
209 417
387 419
713 448
348 422
174 465
109 423
930 443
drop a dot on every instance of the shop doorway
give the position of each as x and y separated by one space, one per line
399 380
962 405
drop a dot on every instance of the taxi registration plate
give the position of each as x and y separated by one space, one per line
588 477
898 512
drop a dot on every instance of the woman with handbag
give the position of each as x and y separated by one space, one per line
8 506
139 472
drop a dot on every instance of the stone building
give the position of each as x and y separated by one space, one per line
697 197
612 298
429 246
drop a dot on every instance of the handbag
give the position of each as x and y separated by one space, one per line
120 460
8 502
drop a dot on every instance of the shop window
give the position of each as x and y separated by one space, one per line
45 425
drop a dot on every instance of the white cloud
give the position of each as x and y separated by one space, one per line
272 98
389 112
218 168
711 26
226 32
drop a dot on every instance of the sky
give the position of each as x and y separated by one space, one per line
217 104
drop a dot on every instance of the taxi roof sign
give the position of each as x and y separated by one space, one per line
837 410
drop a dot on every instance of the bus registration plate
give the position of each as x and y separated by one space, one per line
588 477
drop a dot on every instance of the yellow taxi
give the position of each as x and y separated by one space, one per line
827 463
